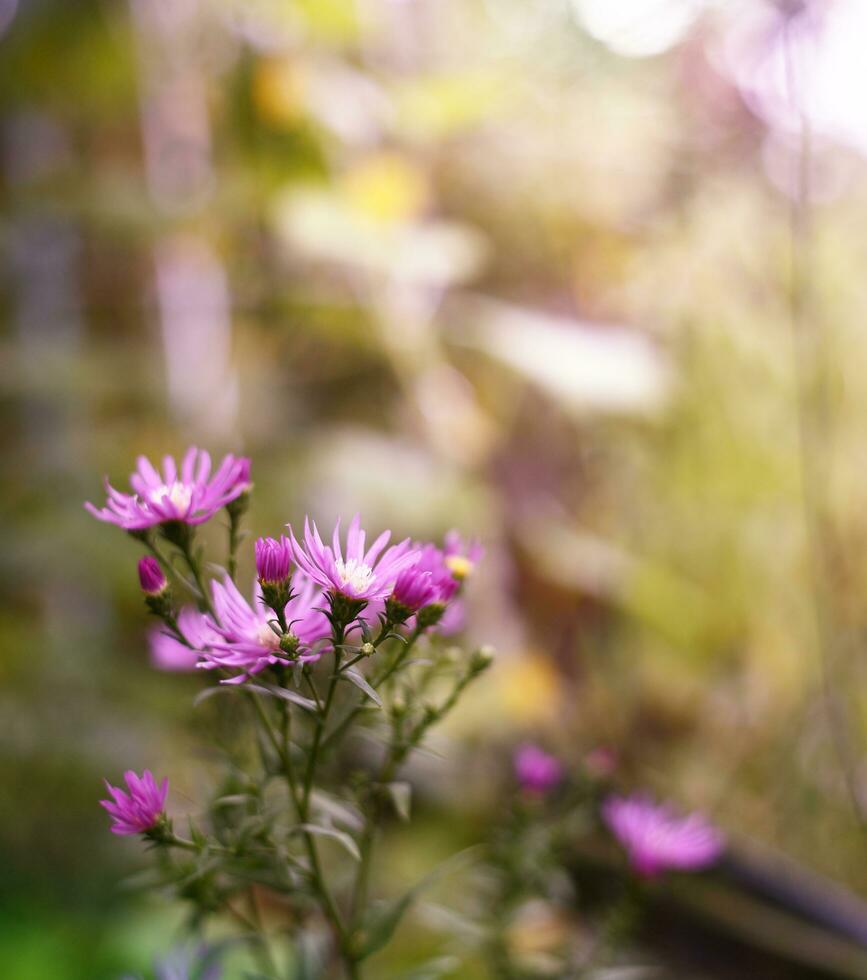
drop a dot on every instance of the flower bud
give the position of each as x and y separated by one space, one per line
430 615
482 659
150 575
367 650
273 560
289 644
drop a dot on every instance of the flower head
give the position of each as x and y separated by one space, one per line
168 653
361 575
151 576
434 560
243 638
536 770
413 589
190 496
461 557
656 839
139 809
273 560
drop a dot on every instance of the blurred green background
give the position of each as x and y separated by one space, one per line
520 267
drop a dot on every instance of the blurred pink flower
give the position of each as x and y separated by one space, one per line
433 560
656 839
140 808
243 638
362 575
168 653
189 497
461 557
536 770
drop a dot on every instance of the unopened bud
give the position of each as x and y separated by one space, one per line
367 650
151 577
482 658
289 644
430 615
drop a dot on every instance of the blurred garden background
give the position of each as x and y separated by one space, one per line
583 278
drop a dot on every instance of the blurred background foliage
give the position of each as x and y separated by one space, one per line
522 268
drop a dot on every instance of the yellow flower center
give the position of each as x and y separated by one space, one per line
459 566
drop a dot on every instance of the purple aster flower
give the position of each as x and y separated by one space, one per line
657 839
536 770
412 590
244 639
461 557
273 560
168 653
151 576
139 809
361 575
433 560
188 496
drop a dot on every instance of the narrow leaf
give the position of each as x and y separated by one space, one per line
210 692
286 693
359 681
401 796
340 836
338 810
383 918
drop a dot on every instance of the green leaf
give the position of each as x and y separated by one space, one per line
338 810
233 800
359 681
435 968
340 836
286 693
401 796
381 920
210 692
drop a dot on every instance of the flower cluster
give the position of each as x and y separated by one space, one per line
308 595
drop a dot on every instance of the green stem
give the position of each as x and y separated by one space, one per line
196 571
400 659
321 721
340 729
234 540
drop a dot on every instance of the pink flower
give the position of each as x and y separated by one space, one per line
151 576
413 589
656 839
244 639
536 770
273 560
141 808
362 575
461 557
168 653
189 497
433 560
